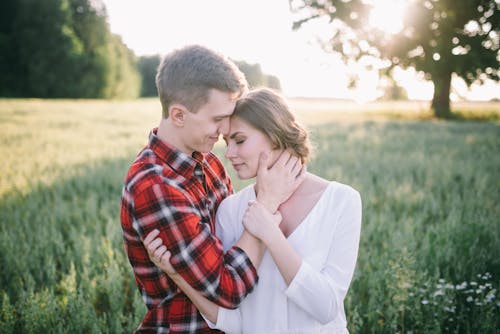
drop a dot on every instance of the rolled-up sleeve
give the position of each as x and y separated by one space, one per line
321 292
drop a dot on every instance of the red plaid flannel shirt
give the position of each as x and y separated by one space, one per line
179 195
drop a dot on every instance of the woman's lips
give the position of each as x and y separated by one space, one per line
237 166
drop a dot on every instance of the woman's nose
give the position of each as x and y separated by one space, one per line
229 151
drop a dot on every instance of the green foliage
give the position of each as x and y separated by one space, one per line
427 261
257 78
63 48
439 38
147 68
148 65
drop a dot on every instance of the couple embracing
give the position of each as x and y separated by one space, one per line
276 257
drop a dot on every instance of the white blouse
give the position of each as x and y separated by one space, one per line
327 240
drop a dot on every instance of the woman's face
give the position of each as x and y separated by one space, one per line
244 145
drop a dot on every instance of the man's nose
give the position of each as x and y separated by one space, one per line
224 127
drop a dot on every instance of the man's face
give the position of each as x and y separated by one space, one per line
202 129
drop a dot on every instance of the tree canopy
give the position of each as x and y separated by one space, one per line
439 38
63 48
253 73
255 76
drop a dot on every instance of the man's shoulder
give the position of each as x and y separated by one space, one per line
148 170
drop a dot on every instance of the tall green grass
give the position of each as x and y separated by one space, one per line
428 260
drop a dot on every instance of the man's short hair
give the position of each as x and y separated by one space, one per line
187 75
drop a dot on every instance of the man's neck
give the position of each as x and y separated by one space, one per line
168 134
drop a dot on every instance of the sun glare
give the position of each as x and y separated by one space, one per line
387 15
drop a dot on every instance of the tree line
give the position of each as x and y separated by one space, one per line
147 66
65 49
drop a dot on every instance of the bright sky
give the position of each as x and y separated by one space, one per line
260 31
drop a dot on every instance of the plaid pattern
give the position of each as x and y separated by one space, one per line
179 195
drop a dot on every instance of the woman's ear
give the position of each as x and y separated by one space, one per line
177 114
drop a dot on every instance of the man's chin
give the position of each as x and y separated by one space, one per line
206 149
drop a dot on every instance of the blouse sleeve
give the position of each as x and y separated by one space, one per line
228 321
321 293
225 221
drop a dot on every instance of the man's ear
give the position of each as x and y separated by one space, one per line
177 114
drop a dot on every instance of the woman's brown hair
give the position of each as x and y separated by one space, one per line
268 112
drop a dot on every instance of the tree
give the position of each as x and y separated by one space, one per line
45 48
147 68
90 26
439 38
255 76
62 48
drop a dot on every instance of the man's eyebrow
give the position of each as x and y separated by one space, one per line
223 116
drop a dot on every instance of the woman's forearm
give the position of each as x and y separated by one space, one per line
286 258
208 308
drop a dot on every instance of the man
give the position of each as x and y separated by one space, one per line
175 185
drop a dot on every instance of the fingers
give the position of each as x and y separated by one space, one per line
159 252
283 158
263 162
151 236
153 245
299 169
292 160
302 175
165 258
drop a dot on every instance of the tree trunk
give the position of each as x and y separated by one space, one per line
441 99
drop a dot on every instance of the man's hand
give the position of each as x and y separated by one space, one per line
158 253
276 184
261 223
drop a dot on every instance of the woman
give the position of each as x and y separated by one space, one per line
311 243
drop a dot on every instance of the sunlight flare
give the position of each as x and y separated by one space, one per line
387 15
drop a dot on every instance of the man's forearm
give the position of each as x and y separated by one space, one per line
206 307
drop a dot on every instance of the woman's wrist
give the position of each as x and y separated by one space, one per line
272 237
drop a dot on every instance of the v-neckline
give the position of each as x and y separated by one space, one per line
315 206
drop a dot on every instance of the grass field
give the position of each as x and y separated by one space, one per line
429 255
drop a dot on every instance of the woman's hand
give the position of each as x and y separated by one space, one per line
261 223
158 253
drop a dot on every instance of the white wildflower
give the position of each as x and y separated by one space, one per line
490 296
439 293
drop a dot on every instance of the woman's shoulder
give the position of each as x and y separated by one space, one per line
344 188
339 187
337 191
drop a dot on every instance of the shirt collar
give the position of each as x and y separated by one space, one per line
181 162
